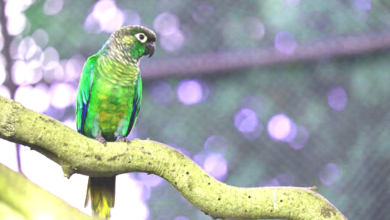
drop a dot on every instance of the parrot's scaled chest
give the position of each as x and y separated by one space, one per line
109 110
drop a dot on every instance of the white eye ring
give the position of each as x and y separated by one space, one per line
141 37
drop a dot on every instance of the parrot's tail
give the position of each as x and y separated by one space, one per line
102 193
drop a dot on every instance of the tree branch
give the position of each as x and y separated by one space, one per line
222 62
24 200
78 154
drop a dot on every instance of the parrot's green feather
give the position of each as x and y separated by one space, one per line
109 99
84 90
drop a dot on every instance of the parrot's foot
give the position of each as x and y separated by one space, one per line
101 139
121 139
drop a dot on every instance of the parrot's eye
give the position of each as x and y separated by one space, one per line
141 37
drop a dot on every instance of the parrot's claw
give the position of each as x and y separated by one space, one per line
101 139
121 139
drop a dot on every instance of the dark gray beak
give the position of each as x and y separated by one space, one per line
150 48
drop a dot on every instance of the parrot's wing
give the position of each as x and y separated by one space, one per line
84 91
136 104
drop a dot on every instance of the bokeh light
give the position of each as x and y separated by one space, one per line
146 189
246 120
19 71
36 72
161 93
281 128
131 17
32 51
2 74
300 138
363 5
189 92
16 19
73 68
4 91
180 217
216 144
14 7
2 59
1 41
291 3
54 75
216 166
56 113
41 38
8 153
62 95
329 174
35 98
172 42
41 97
52 7
202 12
254 28
16 24
104 17
14 48
27 48
256 104
337 98
129 199
91 24
150 180
200 158
29 72
283 179
51 58
35 55
71 123
166 23
252 136
285 42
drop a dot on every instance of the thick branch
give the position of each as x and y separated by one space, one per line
78 154
24 200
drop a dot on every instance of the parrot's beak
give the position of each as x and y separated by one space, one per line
150 48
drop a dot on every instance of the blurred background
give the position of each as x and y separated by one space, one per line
258 93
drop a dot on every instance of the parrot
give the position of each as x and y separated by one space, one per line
109 100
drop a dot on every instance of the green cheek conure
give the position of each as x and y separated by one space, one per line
109 100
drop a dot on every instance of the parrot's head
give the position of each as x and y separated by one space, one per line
132 42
